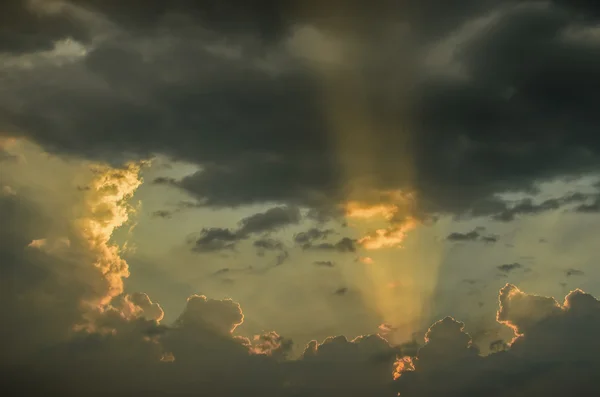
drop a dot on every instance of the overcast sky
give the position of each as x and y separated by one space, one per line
299 198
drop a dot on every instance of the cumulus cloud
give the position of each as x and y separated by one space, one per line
552 353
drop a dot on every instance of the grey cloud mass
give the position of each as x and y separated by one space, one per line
225 87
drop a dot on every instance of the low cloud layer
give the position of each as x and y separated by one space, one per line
70 330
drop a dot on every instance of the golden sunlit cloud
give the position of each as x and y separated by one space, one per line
396 208
392 203
50 246
356 209
387 238
106 209
404 364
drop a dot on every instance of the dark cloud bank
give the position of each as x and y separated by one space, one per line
468 98
54 341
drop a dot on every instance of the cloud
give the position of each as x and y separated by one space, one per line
121 346
270 220
574 272
390 237
345 244
268 244
528 207
162 214
312 235
473 235
341 291
470 236
59 266
263 135
551 353
509 267
218 239
313 239
324 263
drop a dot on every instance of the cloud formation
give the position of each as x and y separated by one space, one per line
318 107
552 353
236 90
70 330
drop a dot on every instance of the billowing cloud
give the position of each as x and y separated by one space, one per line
553 352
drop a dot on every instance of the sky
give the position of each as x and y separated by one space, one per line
299 198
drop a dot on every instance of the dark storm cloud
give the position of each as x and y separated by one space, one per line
473 235
218 87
